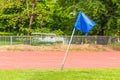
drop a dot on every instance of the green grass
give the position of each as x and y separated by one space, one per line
8 43
116 44
66 74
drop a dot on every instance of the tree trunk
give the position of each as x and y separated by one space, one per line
32 15
27 7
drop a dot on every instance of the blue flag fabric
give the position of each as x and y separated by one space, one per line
84 23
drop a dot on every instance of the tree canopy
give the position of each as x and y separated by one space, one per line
22 17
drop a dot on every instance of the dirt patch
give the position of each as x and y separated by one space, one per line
92 47
84 47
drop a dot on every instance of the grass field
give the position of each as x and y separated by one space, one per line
9 43
66 74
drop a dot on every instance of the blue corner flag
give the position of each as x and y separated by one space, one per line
84 23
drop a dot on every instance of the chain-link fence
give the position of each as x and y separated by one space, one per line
103 40
38 40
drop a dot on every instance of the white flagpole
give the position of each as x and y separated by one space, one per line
66 54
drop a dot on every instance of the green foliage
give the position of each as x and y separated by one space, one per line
47 30
59 42
42 30
36 42
58 32
6 34
59 16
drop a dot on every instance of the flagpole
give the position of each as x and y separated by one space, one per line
66 54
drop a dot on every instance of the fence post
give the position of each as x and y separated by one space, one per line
109 41
30 40
82 39
10 40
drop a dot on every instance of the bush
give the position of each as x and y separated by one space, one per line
6 34
37 42
59 42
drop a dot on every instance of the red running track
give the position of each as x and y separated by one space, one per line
54 60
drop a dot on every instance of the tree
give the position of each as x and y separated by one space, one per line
58 16
112 17
32 15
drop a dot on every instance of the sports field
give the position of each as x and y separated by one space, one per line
55 74
48 59
44 63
